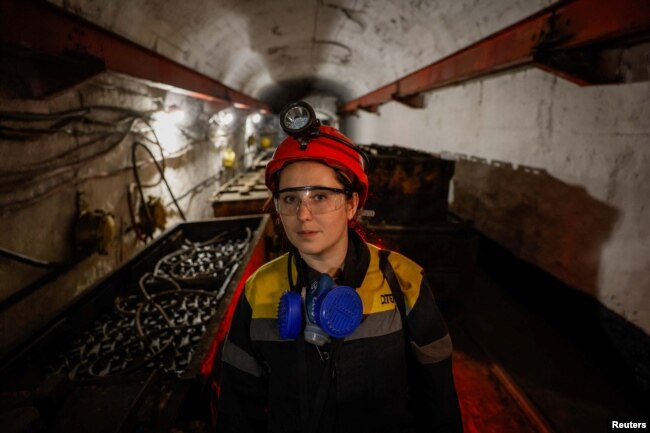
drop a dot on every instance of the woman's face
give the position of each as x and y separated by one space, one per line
323 235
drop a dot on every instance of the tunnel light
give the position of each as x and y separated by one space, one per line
165 125
255 118
173 115
224 118
177 116
227 119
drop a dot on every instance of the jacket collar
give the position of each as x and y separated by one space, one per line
357 260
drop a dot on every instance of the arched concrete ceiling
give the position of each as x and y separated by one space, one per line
282 49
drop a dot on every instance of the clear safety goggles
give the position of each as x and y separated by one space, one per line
318 199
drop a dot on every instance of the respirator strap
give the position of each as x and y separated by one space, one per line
395 288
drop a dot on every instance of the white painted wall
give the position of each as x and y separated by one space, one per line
591 146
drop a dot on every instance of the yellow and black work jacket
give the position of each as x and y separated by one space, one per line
270 384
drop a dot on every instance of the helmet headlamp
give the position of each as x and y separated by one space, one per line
298 119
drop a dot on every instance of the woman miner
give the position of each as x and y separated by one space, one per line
337 335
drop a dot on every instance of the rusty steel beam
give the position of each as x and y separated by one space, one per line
566 27
43 28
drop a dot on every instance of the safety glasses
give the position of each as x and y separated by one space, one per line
318 199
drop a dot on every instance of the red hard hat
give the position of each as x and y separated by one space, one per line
323 149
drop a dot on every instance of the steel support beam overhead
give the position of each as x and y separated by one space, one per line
566 39
38 27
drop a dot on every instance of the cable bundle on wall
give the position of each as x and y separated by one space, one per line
92 137
142 233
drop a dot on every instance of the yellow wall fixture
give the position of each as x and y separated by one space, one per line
266 142
152 215
229 158
94 231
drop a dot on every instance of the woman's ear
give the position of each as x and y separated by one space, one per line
352 205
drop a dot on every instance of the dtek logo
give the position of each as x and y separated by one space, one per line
387 299
628 424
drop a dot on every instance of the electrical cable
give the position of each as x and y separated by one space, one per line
143 280
43 131
16 184
138 182
12 255
50 276
38 172
198 186
42 116
139 234
118 121
11 205
137 144
31 116
122 304
62 119
24 133
73 180
156 142
39 166
42 165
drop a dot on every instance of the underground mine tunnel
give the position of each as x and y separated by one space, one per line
506 149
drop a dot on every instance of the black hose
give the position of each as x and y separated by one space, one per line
12 255
24 202
27 116
198 186
43 116
162 174
47 164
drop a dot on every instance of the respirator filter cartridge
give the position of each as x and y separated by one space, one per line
338 311
290 315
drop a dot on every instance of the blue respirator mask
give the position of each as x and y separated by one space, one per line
330 311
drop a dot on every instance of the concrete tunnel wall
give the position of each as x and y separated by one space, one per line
42 228
556 173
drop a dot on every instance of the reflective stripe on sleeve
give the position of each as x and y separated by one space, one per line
433 352
374 325
265 330
239 359
377 324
